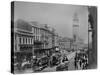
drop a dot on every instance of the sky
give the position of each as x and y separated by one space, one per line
58 16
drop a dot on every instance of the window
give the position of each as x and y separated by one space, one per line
29 40
36 30
33 29
37 37
23 40
33 38
19 40
26 40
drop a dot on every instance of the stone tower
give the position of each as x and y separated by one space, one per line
75 27
75 31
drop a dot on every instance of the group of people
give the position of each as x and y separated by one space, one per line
81 61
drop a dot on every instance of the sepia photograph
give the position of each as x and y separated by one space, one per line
50 37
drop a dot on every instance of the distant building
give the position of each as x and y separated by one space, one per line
56 38
64 43
46 36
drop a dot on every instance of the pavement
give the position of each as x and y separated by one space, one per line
71 65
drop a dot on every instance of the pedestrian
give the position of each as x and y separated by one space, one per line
80 62
83 62
86 62
75 63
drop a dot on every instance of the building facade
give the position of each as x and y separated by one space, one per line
32 37
92 22
23 40
43 38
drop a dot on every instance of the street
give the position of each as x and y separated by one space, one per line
70 65
52 69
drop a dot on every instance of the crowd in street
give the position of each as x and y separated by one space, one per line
81 61
37 64
61 63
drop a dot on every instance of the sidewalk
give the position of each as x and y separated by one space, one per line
71 55
71 65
